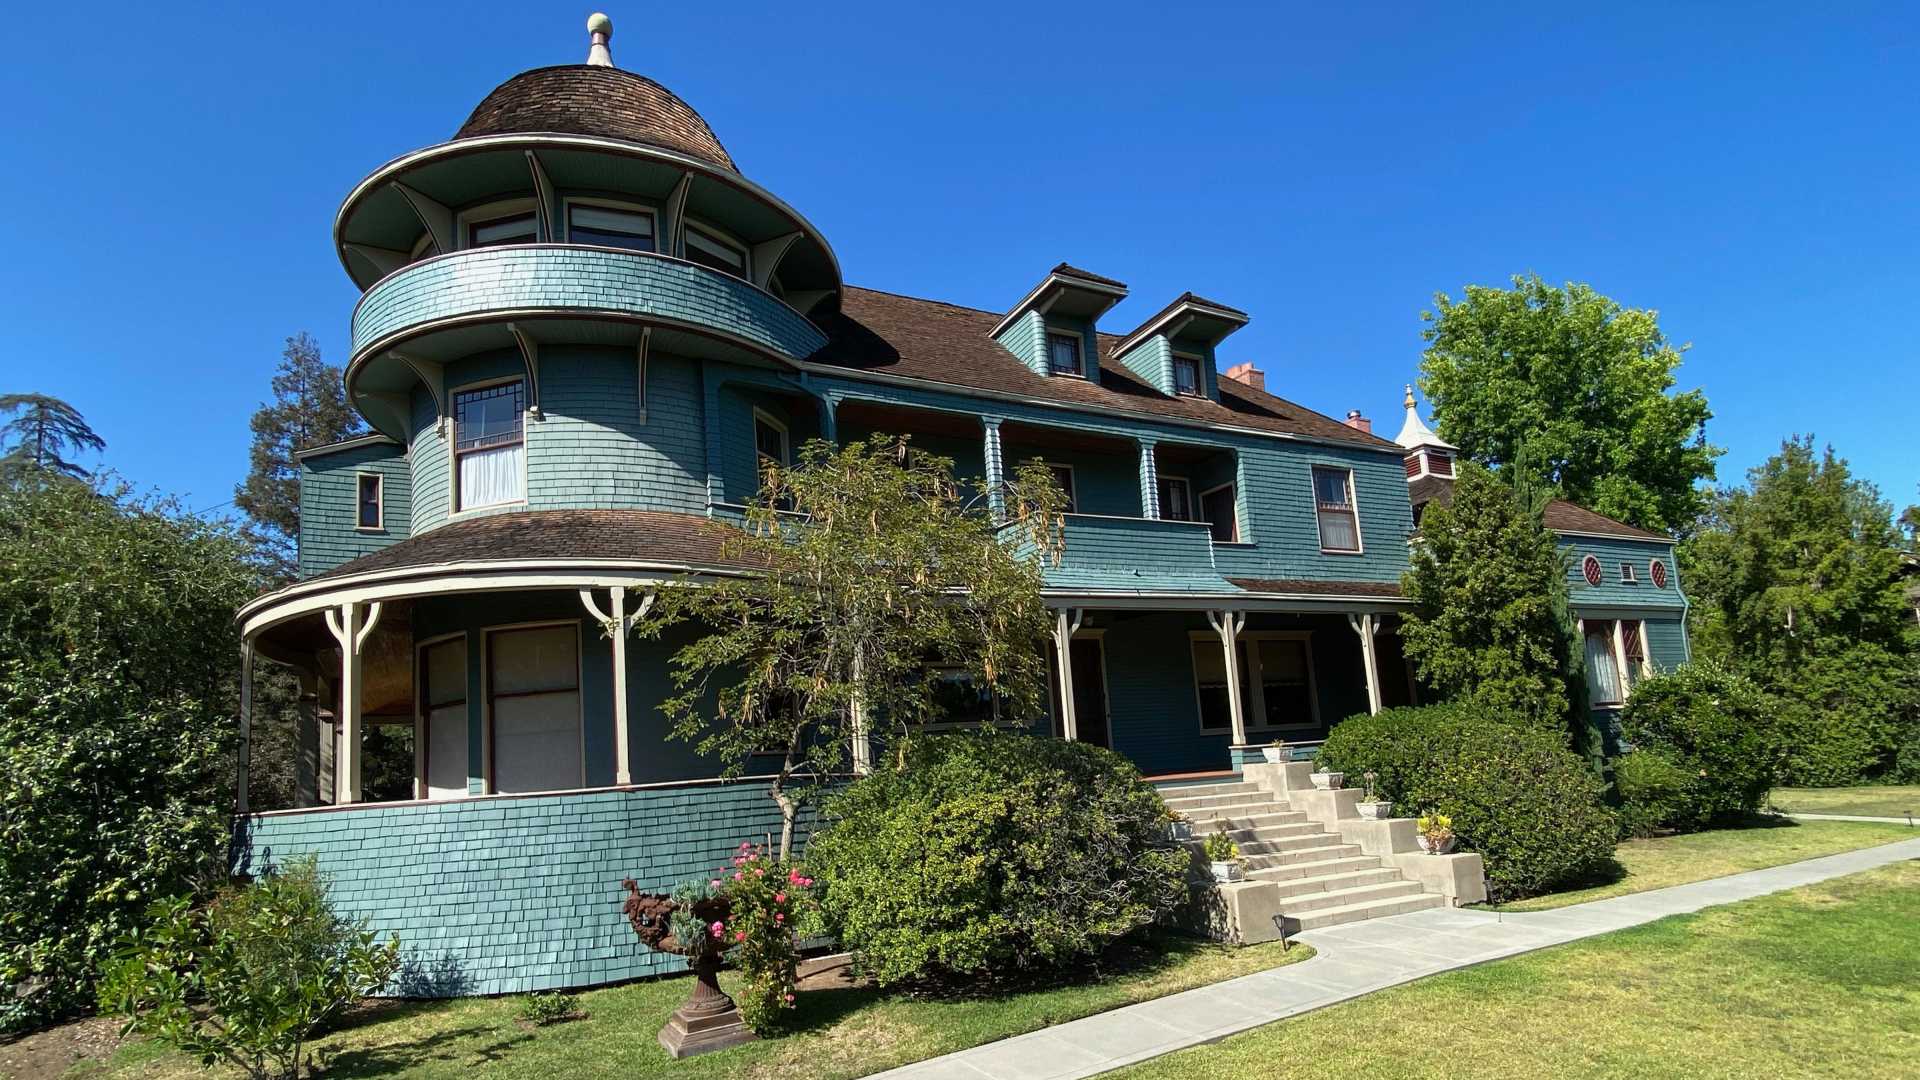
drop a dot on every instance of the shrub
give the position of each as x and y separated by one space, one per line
549 1007
1717 728
250 978
1515 794
1219 847
767 896
1653 791
995 853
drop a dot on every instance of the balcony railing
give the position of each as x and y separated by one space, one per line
531 280
1126 555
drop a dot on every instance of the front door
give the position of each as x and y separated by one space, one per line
1090 691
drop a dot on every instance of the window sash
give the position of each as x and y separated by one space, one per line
1063 354
370 508
1217 509
1333 505
1176 499
511 229
1186 375
607 227
714 253
1063 475
489 445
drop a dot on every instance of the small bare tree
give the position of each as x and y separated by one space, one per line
872 571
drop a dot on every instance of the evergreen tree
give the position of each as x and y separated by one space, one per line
1582 381
1489 623
39 439
1796 583
309 408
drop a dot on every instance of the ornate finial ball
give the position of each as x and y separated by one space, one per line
598 23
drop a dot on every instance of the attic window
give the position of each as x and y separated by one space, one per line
513 229
1186 375
1063 354
1627 574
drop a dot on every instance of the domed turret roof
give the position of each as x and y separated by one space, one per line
597 100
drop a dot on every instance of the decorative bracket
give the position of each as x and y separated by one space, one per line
434 217
530 355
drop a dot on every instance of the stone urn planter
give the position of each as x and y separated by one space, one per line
1179 829
1374 810
1274 753
708 1019
1228 872
1328 781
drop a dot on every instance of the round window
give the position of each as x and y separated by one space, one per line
1590 567
1657 570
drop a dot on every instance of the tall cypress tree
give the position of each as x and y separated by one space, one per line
309 408
39 439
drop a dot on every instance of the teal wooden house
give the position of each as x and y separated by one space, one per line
582 330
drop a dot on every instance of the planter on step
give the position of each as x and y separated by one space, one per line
1226 873
1438 845
1274 755
1179 829
1374 811
1328 781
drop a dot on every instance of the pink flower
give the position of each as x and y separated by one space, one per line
739 935
714 884
779 898
789 999
793 877
778 917
757 872
737 875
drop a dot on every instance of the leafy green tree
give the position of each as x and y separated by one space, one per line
309 408
1489 590
117 699
1796 583
873 572
1584 383
250 978
40 438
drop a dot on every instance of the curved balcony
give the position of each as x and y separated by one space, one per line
1128 556
549 281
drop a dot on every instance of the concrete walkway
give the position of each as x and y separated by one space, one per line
1854 817
1353 960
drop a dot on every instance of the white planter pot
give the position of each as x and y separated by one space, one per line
1442 848
1274 755
1226 873
1374 811
1328 781
1179 830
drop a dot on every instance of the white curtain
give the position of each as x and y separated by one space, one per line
1337 532
536 710
1603 676
445 698
492 476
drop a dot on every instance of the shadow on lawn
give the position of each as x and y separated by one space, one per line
392 1058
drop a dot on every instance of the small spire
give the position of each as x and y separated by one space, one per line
1409 402
599 32
1414 432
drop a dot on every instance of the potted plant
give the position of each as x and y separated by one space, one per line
1224 855
1275 752
689 921
1436 830
1328 781
1371 808
1179 828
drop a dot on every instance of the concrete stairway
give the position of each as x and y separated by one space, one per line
1323 881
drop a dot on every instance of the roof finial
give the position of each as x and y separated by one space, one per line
1409 401
599 32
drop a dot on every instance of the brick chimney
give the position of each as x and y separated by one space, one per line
1358 422
1248 374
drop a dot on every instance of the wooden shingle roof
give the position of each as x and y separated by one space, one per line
578 99
558 535
1560 515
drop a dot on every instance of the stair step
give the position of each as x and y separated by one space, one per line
1184 791
1370 909
1278 838
1317 853
1335 898
1237 823
1189 804
1297 870
1332 882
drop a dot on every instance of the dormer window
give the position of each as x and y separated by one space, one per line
1186 376
606 226
1333 504
715 252
513 229
1063 354
1627 574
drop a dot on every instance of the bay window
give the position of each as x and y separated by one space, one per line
1333 505
489 445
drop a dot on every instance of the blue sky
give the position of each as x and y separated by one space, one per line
171 174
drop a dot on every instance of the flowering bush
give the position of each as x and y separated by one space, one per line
766 895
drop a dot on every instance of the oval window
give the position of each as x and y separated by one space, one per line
1657 570
1590 569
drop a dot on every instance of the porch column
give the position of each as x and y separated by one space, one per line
862 737
995 465
1066 622
618 623
1149 481
1366 626
351 630
1228 625
243 753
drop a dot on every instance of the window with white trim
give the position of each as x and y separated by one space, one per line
1186 375
608 226
1333 506
1217 508
1628 576
489 445
443 715
712 250
512 229
368 508
1276 681
1063 354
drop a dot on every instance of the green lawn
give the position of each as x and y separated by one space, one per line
844 1032
1676 860
1892 800
1819 981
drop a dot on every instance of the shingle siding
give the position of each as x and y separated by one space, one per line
507 895
1026 338
329 504
1612 591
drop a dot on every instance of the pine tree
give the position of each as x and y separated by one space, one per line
39 440
309 408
